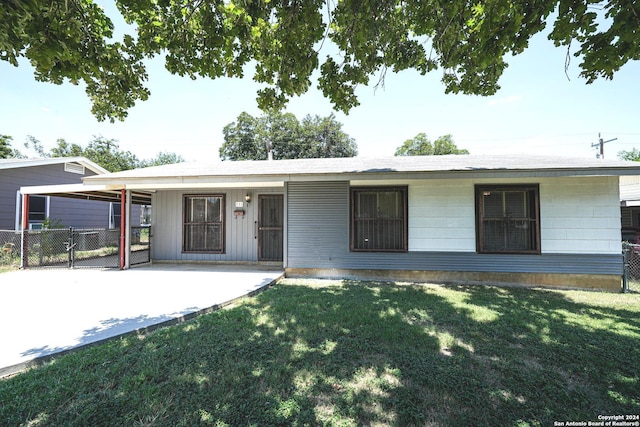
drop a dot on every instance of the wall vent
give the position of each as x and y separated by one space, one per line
74 168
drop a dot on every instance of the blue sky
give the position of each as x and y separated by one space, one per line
539 110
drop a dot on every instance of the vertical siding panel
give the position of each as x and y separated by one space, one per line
240 244
318 223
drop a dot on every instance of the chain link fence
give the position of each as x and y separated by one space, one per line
631 272
72 248
10 249
140 245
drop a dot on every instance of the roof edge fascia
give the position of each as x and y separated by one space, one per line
44 161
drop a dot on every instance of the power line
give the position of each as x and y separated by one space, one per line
601 143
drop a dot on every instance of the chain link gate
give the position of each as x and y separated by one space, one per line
76 248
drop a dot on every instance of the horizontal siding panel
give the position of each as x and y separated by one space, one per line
61 209
457 245
472 262
442 232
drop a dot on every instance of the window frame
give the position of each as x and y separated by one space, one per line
222 223
403 190
480 189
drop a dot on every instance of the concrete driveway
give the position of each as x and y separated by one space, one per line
44 312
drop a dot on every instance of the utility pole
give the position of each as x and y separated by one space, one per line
600 144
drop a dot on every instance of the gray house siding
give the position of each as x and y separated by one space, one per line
240 231
63 211
318 238
69 212
79 213
318 225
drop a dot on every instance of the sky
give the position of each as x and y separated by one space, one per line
540 109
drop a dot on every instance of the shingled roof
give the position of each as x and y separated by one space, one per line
435 166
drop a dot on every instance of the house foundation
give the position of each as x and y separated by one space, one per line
600 282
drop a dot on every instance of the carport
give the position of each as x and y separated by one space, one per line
45 313
100 192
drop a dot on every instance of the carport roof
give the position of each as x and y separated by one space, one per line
99 192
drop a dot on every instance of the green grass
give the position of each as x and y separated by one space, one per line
355 353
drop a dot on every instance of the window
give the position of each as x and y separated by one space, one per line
37 208
379 219
115 214
203 224
507 219
635 217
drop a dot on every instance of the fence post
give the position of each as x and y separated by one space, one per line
24 255
625 267
70 248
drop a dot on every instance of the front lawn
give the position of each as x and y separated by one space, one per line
355 353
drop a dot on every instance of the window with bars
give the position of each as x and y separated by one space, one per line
203 223
507 219
379 219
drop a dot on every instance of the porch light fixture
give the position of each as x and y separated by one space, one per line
247 198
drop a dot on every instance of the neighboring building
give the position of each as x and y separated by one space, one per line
61 211
512 219
630 208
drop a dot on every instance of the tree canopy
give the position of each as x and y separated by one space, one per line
633 155
102 151
251 138
421 146
6 152
281 42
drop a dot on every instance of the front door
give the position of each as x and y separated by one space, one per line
270 225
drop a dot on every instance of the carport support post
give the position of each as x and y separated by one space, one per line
123 249
127 237
24 257
125 229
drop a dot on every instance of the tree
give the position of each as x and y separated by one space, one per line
107 153
6 151
249 138
282 41
241 140
162 158
5 147
64 149
102 151
633 155
324 138
72 40
421 146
